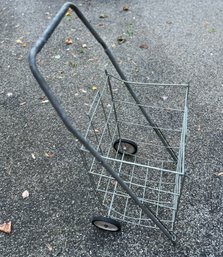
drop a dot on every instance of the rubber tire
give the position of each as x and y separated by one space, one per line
127 141
114 223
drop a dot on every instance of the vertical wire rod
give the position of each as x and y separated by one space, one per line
113 103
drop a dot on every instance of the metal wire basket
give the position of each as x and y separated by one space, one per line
134 141
122 135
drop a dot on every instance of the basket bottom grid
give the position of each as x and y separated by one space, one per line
154 187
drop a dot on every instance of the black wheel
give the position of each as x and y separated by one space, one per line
107 224
125 146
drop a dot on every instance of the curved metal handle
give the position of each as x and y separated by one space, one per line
42 41
40 44
41 80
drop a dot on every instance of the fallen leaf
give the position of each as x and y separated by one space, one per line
121 40
125 8
68 41
72 64
42 97
113 182
94 88
103 16
20 57
49 155
50 248
96 131
68 13
23 103
92 60
144 46
45 101
6 227
219 174
25 194
33 156
100 25
83 90
19 41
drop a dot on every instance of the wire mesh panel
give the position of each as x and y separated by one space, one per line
150 172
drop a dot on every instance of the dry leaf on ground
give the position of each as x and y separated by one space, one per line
6 227
144 46
50 248
121 40
33 156
219 174
45 101
68 41
101 25
103 16
83 90
20 42
49 154
68 13
94 88
96 131
125 8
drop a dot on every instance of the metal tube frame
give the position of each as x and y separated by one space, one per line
72 128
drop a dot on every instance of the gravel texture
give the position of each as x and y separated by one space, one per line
183 43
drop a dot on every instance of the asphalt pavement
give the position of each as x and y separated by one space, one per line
173 41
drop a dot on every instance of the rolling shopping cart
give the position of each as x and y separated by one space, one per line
134 143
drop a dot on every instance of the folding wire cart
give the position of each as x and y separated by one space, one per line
134 143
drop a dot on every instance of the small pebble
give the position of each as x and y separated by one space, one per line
9 94
164 98
25 194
